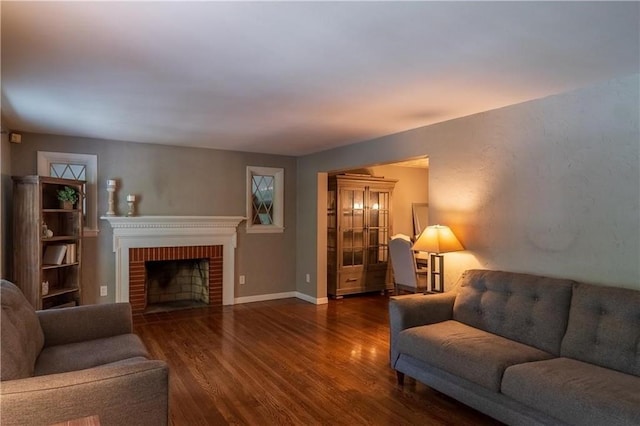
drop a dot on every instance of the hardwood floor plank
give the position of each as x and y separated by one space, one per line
288 362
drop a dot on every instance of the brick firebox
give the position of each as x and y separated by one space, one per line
137 276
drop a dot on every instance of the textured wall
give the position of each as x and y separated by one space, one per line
550 186
172 180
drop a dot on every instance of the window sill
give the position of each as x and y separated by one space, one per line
265 229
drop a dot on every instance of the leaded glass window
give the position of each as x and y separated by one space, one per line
262 199
265 199
68 171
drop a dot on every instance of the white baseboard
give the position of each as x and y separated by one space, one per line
284 295
311 299
263 297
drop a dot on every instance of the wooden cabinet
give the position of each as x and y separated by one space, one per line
358 230
47 241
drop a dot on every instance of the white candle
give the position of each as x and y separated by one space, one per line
111 183
131 197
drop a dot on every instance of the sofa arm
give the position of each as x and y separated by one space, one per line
131 392
414 310
81 323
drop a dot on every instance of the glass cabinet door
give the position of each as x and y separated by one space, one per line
352 226
332 226
378 226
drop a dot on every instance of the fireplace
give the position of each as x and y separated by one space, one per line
140 257
148 238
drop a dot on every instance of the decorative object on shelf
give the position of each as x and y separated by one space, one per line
45 288
111 189
437 239
68 197
131 199
70 256
46 232
54 254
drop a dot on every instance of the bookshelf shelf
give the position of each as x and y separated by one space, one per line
60 292
64 265
59 238
60 210
47 268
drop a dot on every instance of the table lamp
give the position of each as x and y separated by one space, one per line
437 239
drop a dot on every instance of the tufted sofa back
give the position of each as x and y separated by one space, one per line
604 327
529 309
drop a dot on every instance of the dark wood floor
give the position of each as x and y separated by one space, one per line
288 362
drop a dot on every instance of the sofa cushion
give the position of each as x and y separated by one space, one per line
468 352
604 327
575 392
88 354
22 337
529 309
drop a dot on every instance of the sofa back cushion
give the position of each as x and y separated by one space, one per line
22 337
604 327
529 309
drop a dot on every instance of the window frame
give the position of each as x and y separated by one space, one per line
90 161
278 200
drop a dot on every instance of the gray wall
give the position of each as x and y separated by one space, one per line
172 180
550 186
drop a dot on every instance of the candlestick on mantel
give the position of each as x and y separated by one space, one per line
131 199
111 189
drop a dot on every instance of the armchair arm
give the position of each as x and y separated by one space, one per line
77 324
131 392
414 310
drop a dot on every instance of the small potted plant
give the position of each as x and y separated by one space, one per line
68 197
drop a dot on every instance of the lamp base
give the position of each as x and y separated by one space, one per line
437 273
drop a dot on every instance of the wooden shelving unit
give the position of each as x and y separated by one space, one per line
35 203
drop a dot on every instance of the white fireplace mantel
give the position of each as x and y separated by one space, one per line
174 231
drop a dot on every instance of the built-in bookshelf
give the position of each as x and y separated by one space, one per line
47 239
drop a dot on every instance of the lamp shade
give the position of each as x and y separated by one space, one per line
437 239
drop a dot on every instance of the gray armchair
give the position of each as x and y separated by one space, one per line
70 363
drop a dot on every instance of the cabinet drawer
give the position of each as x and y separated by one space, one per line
350 280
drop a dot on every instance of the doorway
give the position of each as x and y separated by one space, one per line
411 188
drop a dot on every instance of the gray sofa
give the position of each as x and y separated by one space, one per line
525 349
66 364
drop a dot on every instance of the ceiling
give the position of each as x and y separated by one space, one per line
295 78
